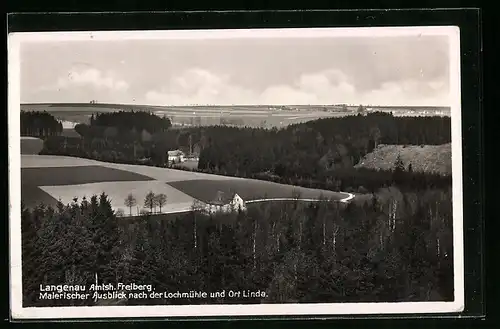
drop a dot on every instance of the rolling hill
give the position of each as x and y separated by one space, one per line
264 116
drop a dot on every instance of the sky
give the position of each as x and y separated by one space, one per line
396 70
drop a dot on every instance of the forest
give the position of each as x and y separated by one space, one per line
314 148
320 153
397 249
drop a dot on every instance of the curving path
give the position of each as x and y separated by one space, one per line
349 197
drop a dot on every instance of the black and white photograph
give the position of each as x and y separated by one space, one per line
265 172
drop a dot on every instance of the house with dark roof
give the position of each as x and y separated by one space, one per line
225 202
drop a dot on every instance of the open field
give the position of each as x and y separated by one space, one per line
248 189
156 173
118 191
265 116
75 175
47 179
49 184
426 158
254 116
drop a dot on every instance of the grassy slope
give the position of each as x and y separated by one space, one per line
52 176
429 158
248 189
117 192
31 145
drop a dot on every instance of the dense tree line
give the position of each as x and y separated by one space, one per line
39 124
126 121
106 149
364 180
387 249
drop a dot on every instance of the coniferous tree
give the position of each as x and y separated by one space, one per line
105 237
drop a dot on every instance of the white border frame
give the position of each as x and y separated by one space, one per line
320 309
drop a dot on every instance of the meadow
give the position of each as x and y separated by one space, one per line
266 116
75 175
119 190
48 184
48 179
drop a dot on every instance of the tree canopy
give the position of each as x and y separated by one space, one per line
128 120
39 124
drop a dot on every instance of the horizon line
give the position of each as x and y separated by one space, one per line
227 105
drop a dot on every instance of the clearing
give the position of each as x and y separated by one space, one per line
425 158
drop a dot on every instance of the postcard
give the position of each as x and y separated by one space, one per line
222 173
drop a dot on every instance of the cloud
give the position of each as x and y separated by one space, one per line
200 86
91 77
81 85
409 92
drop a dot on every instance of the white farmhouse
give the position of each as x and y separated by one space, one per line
176 156
224 202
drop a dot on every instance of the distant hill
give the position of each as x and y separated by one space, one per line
76 106
426 158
